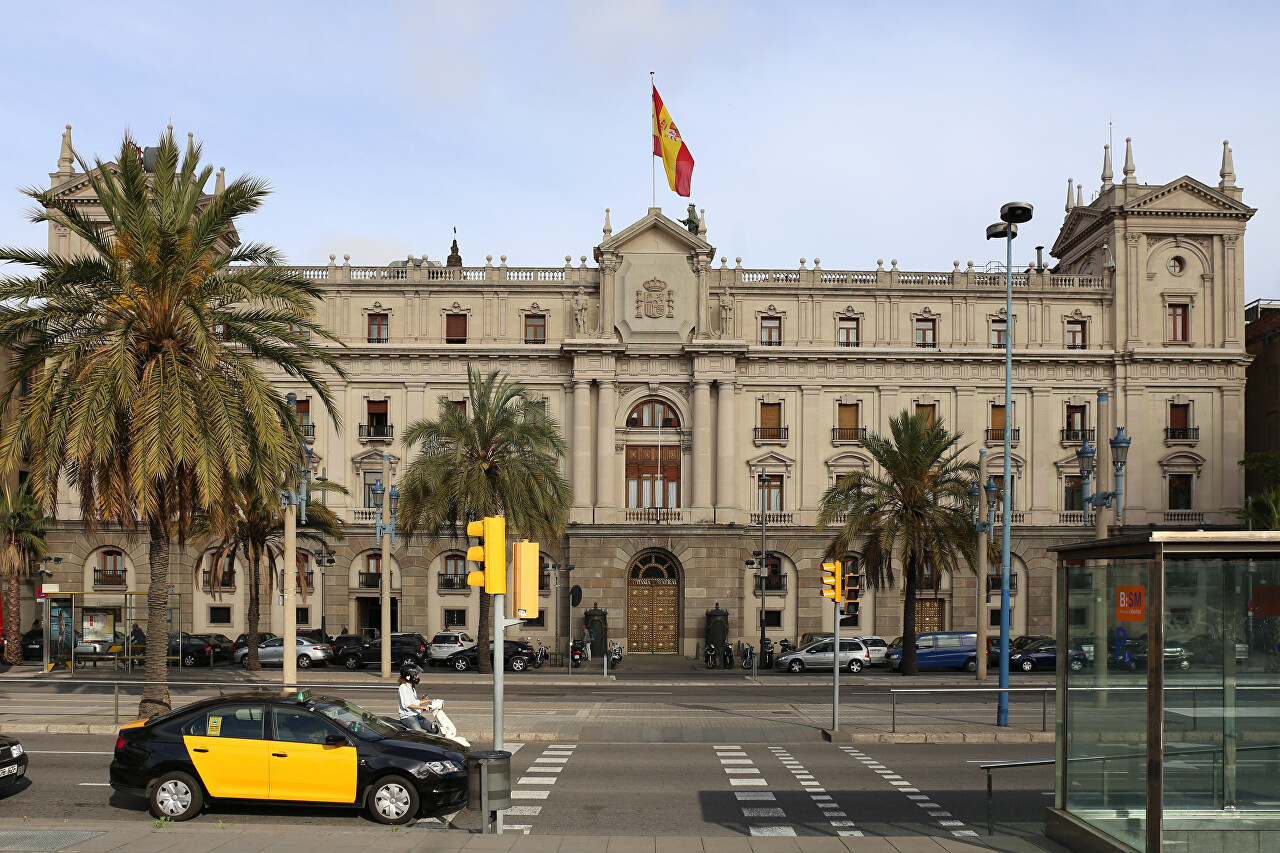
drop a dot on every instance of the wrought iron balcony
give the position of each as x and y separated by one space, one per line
376 340
998 435
993 582
462 340
110 579
927 344
1182 433
848 343
1076 346
772 433
377 431
228 581
370 580
452 583
771 583
848 433
1076 436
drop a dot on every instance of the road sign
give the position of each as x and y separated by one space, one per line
40 593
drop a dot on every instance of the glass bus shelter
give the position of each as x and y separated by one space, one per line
1176 750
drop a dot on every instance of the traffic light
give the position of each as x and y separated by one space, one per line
492 531
524 579
831 581
852 592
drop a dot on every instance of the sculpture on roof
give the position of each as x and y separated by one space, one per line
580 305
692 222
454 259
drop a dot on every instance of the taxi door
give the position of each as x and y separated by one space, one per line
303 766
229 751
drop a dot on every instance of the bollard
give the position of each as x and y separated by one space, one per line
1044 712
990 812
489 785
893 697
116 718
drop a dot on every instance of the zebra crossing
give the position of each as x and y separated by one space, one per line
756 805
838 819
530 790
945 819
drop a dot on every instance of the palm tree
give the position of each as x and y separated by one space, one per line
21 541
499 456
1261 511
145 355
253 531
916 508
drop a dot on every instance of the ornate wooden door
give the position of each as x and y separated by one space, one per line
929 614
653 606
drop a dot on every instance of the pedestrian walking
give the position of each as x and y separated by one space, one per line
588 637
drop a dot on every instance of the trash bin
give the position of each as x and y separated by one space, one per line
488 779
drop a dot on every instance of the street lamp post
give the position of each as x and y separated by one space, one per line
987 527
323 558
295 510
386 536
1087 456
1011 214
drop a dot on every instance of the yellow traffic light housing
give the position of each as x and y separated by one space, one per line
492 531
524 579
852 592
831 581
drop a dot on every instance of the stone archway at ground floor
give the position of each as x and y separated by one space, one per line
653 604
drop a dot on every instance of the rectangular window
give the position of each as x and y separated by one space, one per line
377 411
999 333
650 484
993 620
373 564
1075 420
379 328
929 408
535 328
773 618
1076 334
847 424
460 405
304 616
1180 491
303 411
771 428
1073 495
219 615
770 486
455 328
848 333
926 333
997 418
455 617
1179 326
770 331
370 479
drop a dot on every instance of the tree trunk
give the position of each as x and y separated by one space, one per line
12 616
255 609
484 658
155 697
908 665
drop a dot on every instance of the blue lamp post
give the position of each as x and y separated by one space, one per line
294 503
1011 214
1087 457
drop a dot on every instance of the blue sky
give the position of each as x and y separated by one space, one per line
847 131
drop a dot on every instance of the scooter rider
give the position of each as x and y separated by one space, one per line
408 704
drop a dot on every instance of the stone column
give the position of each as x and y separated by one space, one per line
726 463
608 269
701 449
704 297
810 464
581 408
606 406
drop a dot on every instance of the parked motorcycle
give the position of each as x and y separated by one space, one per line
710 655
749 657
766 654
727 654
576 653
540 656
785 646
615 654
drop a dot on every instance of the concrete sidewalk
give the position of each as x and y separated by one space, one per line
209 835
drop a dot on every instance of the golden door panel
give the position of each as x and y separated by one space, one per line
929 614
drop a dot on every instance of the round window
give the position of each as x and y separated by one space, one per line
1177 264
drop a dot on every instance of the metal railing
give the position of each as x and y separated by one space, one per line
1044 707
1182 433
377 431
228 581
447 583
848 433
371 580
771 583
109 579
376 340
1078 435
772 433
854 343
1015 435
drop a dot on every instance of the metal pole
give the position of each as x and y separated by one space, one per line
991 821
287 593
893 712
1101 464
1002 709
763 575
1044 711
499 642
116 691
385 541
835 667
980 599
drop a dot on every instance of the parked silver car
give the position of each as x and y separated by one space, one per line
878 648
854 655
271 653
445 643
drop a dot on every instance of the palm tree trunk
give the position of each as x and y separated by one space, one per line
908 665
255 610
484 659
155 696
12 616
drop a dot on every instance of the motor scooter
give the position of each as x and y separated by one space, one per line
749 657
710 656
727 654
540 656
444 726
576 653
766 654
615 654
785 646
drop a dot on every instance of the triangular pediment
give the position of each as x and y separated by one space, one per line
1078 221
772 459
1186 194
373 457
655 234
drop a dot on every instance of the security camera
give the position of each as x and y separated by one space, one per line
48 573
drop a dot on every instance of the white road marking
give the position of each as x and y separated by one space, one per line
737 754
735 761
924 801
550 760
738 782
554 754
95 784
524 810
563 746
537 780
529 795
742 770
726 746
764 812
754 795
762 831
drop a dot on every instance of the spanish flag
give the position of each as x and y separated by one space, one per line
668 145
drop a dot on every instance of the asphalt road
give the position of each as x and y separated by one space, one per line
641 789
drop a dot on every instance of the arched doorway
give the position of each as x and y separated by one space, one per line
653 604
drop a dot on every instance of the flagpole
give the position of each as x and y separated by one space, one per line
653 168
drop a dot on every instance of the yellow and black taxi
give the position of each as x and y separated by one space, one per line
287 748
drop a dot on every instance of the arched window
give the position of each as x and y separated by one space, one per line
112 572
653 414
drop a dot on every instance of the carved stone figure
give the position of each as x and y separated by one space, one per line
580 305
726 314
692 222
455 258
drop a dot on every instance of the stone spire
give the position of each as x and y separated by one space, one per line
608 228
1070 195
702 219
1079 195
220 184
455 258
1227 173
1129 179
66 161
1107 174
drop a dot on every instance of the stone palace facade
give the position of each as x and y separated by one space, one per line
697 394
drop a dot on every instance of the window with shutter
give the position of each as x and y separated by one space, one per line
1179 415
929 409
847 422
455 328
997 418
378 328
770 415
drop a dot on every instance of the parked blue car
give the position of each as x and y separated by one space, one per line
941 650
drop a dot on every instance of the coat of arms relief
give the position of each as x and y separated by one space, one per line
655 299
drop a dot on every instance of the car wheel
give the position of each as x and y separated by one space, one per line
1027 665
303 661
1184 664
393 800
351 662
176 796
855 666
971 665
244 661
461 664
1076 664
796 666
188 660
519 664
